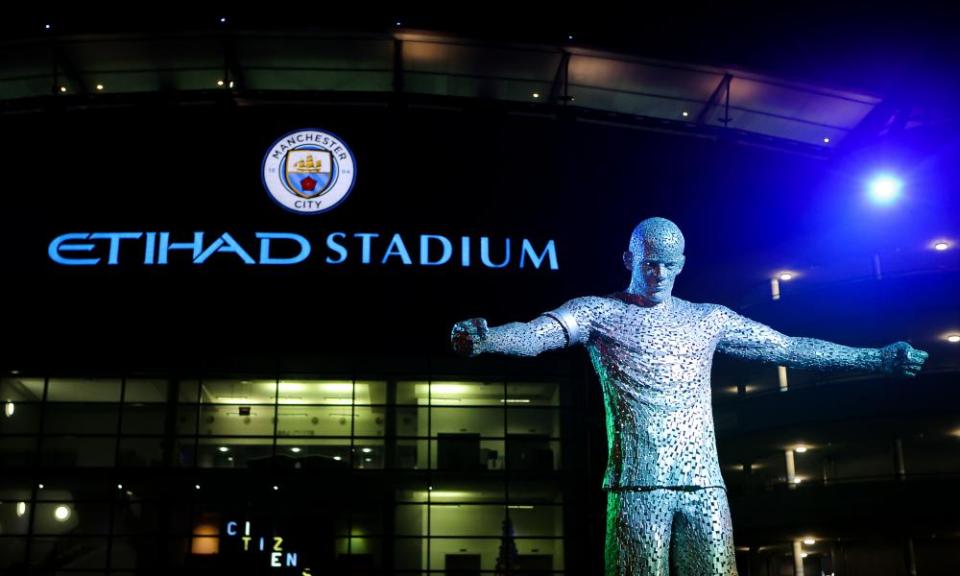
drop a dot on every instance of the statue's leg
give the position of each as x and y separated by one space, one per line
703 534
638 532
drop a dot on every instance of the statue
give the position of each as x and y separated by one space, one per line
652 353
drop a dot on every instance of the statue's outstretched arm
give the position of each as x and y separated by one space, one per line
744 338
473 337
562 327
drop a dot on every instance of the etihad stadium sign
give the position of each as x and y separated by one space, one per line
305 172
287 249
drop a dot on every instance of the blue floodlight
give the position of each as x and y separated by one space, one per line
885 189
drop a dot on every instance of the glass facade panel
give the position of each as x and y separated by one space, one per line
17 417
76 418
71 451
13 552
18 389
83 390
235 453
236 420
150 391
314 453
144 419
315 421
15 516
137 452
246 392
438 517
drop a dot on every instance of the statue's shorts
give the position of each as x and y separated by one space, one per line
650 529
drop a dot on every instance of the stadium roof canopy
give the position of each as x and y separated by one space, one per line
85 70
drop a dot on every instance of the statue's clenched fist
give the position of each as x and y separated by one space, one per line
468 336
902 359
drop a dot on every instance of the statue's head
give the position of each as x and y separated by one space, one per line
654 258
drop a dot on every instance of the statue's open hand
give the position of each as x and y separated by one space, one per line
468 336
902 359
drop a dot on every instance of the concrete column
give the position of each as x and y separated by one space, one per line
911 558
797 558
791 468
782 376
775 288
898 460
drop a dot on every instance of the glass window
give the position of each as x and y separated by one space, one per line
188 391
466 519
187 415
458 555
144 418
235 453
487 422
532 452
315 421
533 394
318 454
145 390
336 392
139 553
77 418
12 552
369 420
21 389
15 516
83 390
137 452
410 554
466 452
66 517
536 520
368 453
246 392
81 452
19 417
69 552
543 421
411 421
358 555
236 420
466 393
411 454
450 393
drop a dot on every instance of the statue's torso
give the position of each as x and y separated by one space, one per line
654 365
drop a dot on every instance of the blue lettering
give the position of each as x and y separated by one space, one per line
231 528
425 250
115 238
365 250
465 251
550 250
338 248
485 253
397 248
150 248
266 237
291 559
58 245
166 246
226 244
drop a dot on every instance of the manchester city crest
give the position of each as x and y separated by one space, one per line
309 171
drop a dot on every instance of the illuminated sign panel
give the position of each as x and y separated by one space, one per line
160 248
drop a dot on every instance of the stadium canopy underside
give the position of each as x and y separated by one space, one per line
251 67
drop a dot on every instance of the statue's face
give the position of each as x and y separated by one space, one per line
654 268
